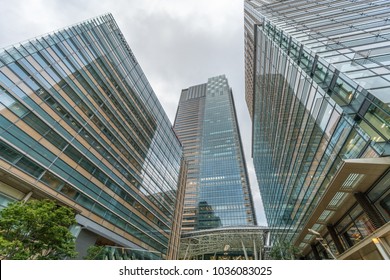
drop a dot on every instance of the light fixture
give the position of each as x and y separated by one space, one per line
314 232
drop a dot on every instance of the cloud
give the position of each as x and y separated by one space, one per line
177 43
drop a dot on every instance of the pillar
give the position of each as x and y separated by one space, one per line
372 213
336 239
315 252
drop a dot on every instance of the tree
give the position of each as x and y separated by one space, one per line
282 250
37 229
95 252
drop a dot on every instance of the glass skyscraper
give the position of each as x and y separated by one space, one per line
217 190
317 87
219 221
80 124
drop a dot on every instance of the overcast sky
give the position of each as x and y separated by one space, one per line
178 43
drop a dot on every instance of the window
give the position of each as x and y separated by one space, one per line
4 201
55 139
5 98
52 181
8 153
29 167
385 204
354 227
69 191
36 123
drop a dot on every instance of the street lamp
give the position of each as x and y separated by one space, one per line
321 241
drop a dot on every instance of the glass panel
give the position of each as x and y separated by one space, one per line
30 167
320 73
52 181
324 114
5 98
374 135
73 153
379 119
354 234
19 71
385 204
6 81
69 191
18 109
85 201
99 210
36 123
343 224
4 201
354 145
8 153
344 91
87 165
55 139
364 225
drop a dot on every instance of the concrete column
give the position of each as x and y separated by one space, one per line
244 249
336 239
27 197
185 255
383 248
254 249
315 252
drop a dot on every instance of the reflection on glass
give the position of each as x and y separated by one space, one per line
206 217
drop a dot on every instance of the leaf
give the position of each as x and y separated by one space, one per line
38 229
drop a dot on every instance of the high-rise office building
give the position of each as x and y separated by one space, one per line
80 124
218 218
317 87
217 190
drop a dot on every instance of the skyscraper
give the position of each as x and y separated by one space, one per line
218 218
217 191
80 124
317 82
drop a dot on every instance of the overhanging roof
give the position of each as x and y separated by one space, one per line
354 175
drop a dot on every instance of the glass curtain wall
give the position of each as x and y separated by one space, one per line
313 106
80 120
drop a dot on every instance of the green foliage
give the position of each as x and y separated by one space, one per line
37 229
95 253
283 251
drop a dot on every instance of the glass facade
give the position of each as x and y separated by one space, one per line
318 98
79 122
217 190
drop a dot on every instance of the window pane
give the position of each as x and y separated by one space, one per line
8 153
385 204
364 226
51 180
30 167
36 123
55 139
69 191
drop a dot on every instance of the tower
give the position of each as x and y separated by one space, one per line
217 191
218 218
